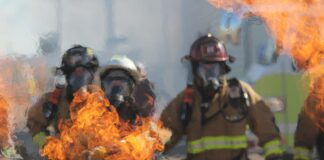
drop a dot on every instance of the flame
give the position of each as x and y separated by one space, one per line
298 26
95 130
20 84
315 101
4 128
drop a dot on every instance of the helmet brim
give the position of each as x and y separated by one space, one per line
133 74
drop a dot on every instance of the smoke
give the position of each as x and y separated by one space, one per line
155 33
27 57
21 24
22 81
35 34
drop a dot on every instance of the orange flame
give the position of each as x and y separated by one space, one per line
298 26
4 128
96 131
20 84
315 100
17 86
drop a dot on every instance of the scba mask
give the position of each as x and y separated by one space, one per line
118 87
78 78
210 74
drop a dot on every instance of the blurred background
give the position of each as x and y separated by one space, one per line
34 35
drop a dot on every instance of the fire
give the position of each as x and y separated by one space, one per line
95 131
4 128
20 85
315 99
298 26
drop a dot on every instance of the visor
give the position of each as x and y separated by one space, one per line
116 84
209 71
79 78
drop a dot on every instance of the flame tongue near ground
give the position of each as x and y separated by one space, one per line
96 132
4 127
298 26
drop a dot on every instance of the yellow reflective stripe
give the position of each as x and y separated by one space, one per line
218 142
302 153
39 139
272 147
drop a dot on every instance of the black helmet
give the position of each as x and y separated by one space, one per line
78 56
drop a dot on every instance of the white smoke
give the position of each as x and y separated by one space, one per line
155 33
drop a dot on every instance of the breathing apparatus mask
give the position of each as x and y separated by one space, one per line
208 57
209 73
118 87
78 65
78 78
208 78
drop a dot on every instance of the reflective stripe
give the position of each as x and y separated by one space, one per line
272 147
218 142
302 153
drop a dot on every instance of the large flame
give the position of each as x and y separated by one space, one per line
298 26
96 132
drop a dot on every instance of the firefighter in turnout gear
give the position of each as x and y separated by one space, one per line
78 68
127 88
214 112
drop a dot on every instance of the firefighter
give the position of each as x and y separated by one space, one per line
214 112
127 88
78 67
308 135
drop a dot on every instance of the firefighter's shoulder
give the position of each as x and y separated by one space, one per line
254 97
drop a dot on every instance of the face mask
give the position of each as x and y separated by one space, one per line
117 86
210 73
77 79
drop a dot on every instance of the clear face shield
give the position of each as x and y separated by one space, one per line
80 77
210 73
117 86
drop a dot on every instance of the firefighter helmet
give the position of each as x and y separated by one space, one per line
122 62
208 49
78 56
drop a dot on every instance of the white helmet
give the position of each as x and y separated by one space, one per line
122 62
